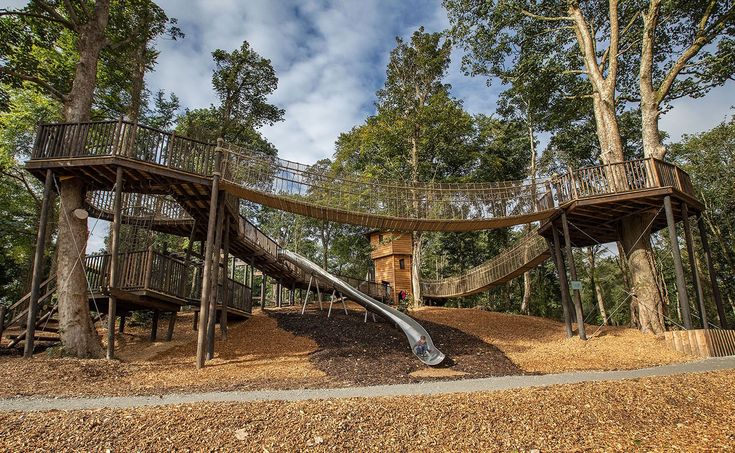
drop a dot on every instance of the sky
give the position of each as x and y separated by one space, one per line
330 58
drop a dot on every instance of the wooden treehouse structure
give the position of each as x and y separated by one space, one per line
193 189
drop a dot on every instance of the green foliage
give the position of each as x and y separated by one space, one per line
710 161
19 191
243 80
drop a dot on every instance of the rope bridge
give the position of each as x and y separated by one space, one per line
321 193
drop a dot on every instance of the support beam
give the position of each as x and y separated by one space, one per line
217 264
114 260
154 325
226 284
121 328
573 273
206 272
693 266
716 295
263 287
681 284
187 259
38 266
195 327
566 301
171 325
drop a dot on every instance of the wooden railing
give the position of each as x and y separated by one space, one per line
628 176
308 190
151 270
375 290
524 251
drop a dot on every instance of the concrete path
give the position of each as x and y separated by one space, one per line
26 404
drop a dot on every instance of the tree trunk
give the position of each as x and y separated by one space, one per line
76 329
417 235
138 83
416 269
596 286
635 239
77 332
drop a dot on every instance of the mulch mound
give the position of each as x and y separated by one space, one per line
353 352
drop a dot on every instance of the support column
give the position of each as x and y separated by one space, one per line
206 278
187 259
573 273
171 325
693 267
154 325
216 294
114 259
121 329
566 301
712 273
263 288
38 266
279 294
681 284
292 295
226 285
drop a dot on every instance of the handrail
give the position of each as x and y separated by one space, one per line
525 250
305 189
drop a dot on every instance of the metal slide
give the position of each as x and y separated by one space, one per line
408 325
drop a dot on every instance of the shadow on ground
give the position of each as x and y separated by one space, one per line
358 353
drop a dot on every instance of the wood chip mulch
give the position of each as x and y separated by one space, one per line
694 412
354 352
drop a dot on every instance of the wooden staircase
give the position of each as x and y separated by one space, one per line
13 318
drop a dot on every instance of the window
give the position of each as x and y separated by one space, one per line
402 264
380 238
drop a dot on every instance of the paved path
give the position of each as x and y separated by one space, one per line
426 388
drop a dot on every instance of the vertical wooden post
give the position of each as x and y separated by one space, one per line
573 273
263 289
195 327
38 266
292 295
225 288
251 276
278 293
566 301
2 320
712 273
693 266
171 325
121 328
216 294
154 324
187 259
681 284
206 277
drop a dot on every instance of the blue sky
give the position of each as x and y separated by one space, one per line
330 57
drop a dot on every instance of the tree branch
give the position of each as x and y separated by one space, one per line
545 18
40 82
59 18
5 12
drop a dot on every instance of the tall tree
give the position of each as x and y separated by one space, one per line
597 43
56 46
414 77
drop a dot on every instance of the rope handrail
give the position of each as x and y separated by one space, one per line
304 189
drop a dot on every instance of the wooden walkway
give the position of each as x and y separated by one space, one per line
185 184
161 162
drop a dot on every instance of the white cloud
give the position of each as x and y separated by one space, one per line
330 57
